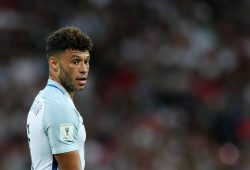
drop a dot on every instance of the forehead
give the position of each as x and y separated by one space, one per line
76 53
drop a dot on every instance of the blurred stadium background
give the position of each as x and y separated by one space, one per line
169 86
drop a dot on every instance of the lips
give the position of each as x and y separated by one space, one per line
82 78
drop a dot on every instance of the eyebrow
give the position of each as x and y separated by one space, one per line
77 56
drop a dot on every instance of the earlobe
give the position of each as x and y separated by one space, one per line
55 69
53 64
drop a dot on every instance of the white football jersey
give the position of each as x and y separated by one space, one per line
54 126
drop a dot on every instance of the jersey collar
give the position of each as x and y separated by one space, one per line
54 84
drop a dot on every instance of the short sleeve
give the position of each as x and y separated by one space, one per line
60 124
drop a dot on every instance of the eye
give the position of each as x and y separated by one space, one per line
75 61
86 61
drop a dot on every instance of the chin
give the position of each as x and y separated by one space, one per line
80 88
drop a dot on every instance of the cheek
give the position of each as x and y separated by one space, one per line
87 66
68 72
72 69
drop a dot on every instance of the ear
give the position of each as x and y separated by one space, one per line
53 63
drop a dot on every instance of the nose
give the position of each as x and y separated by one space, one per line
84 68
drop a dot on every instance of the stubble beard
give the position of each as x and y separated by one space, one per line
66 80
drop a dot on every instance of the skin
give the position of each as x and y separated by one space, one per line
70 69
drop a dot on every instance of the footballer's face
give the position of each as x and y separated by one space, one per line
73 69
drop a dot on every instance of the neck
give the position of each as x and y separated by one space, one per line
72 94
56 79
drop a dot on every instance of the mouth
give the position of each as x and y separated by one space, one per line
81 80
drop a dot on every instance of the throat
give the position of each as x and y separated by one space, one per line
71 94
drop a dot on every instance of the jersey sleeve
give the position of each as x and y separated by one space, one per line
60 124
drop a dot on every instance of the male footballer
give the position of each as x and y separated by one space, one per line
55 129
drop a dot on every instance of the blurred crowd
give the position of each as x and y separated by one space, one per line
169 85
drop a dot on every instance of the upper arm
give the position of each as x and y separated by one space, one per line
60 124
69 160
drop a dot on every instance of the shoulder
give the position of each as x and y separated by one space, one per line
54 100
57 109
52 95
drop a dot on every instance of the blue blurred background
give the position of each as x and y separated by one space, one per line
169 85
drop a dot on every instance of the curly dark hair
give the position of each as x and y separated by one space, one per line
67 38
